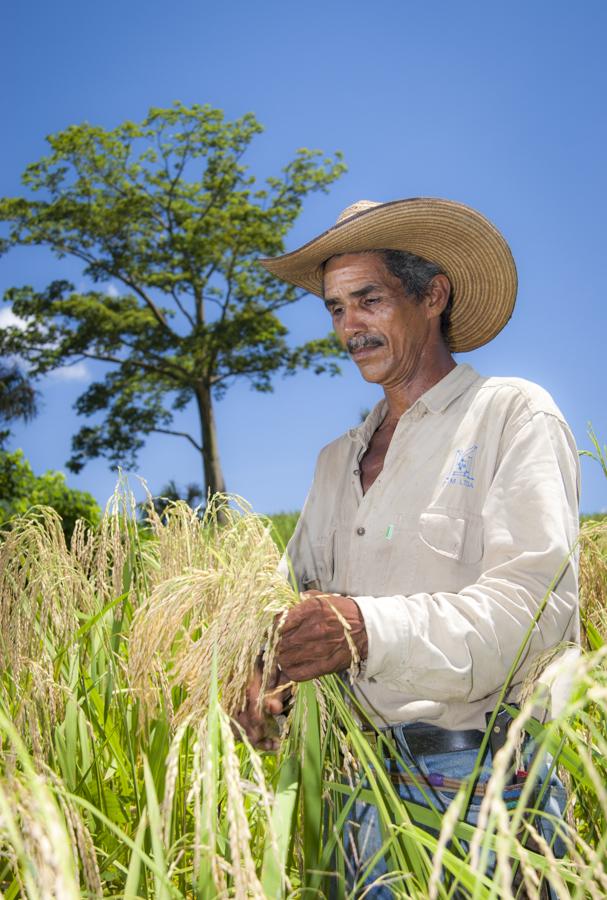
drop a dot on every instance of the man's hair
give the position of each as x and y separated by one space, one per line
415 274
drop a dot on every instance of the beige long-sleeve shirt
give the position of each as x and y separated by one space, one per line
454 546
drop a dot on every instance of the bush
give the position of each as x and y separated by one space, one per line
20 489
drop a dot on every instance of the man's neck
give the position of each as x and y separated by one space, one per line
401 397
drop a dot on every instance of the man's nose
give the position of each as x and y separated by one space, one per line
353 322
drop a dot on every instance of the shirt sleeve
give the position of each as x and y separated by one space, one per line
456 647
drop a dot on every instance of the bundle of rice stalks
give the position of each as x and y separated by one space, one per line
48 847
593 563
593 581
223 606
542 845
43 589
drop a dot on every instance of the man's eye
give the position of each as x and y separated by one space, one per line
370 300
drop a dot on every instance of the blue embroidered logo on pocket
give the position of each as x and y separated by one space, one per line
462 472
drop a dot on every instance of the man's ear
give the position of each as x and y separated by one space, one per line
437 296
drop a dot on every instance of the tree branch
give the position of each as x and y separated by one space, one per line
279 304
157 370
163 364
224 307
169 223
200 298
86 257
182 308
184 434
146 299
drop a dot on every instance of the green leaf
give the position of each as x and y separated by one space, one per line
311 778
282 827
595 639
205 887
155 827
131 887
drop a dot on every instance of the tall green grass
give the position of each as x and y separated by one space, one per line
122 773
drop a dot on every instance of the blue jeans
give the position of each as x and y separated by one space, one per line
363 835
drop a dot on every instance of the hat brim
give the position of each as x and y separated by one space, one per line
470 249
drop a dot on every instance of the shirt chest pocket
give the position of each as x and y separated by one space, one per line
456 535
320 564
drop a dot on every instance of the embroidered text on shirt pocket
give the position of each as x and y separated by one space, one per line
453 534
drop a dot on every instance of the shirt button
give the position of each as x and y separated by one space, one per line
356 472
360 530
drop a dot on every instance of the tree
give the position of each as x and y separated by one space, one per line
164 214
20 489
17 398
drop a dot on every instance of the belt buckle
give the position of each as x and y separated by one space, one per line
370 737
499 730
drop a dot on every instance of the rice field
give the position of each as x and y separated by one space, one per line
122 773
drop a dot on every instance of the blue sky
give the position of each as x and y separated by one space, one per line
501 106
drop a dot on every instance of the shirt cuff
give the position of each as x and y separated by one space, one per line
388 636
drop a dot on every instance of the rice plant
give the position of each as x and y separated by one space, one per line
123 773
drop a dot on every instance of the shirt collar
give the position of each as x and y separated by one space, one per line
435 400
449 388
364 432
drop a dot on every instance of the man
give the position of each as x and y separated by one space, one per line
440 523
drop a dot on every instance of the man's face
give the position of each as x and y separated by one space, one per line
385 330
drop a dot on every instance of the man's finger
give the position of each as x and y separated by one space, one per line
275 699
273 705
300 615
311 666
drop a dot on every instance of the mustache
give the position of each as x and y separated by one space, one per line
363 340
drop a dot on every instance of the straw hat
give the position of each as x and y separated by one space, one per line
472 252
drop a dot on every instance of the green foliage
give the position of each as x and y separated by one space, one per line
283 526
592 517
167 217
20 489
17 398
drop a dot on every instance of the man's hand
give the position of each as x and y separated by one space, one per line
313 639
257 721
312 642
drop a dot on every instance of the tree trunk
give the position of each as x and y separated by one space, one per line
213 476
